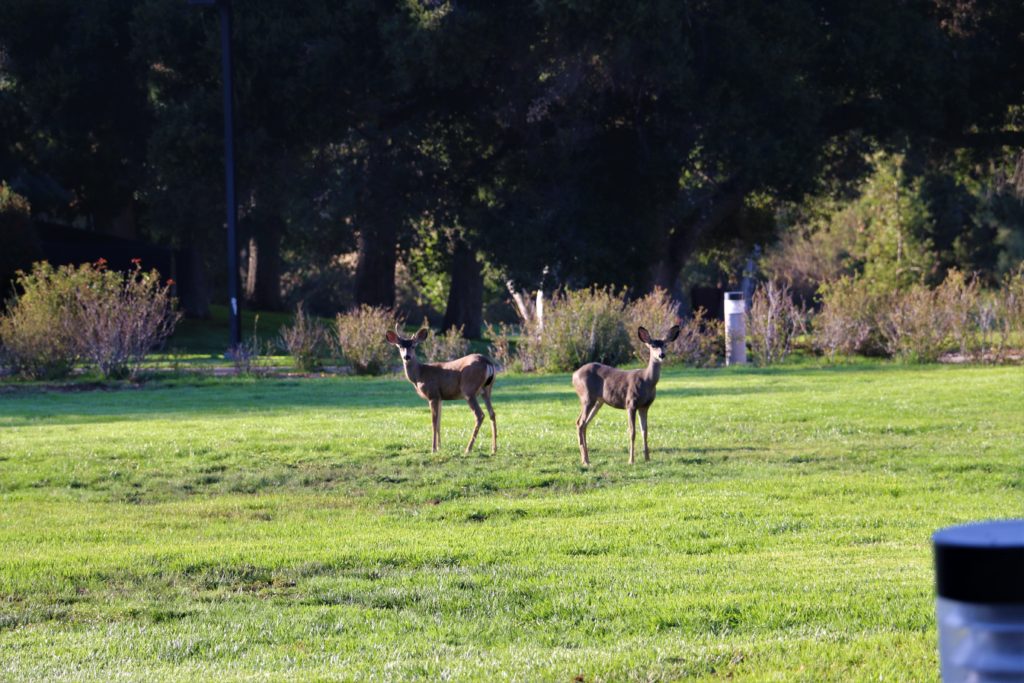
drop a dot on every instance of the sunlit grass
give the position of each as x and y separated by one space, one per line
297 528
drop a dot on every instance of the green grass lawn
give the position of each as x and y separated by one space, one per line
301 529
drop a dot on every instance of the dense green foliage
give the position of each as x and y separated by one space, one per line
903 226
21 248
300 529
606 140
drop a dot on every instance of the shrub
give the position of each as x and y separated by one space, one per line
1009 312
958 300
1013 289
657 311
847 321
919 323
360 337
701 340
252 356
500 350
120 317
914 325
304 340
36 337
773 322
580 326
442 347
87 312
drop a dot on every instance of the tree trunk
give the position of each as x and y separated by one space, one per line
262 288
377 253
252 263
683 240
192 283
665 274
378 221
466 295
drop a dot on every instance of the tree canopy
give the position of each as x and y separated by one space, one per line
607 141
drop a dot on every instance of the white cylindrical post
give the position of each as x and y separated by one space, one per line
735 329
540 309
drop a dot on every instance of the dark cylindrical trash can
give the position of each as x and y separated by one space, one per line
979 577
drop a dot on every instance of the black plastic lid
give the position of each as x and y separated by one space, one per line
734 296
981 562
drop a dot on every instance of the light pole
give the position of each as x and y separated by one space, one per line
234 312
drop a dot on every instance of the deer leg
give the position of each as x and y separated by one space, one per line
581 434
643 430
490 412
475 406
435 425
631 426
587 412
438 428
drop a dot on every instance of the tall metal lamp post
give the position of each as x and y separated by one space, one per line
234 312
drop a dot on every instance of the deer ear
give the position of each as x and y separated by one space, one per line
673 334
422 334
391 337
644 335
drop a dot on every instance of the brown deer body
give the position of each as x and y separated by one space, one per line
633 390
462 378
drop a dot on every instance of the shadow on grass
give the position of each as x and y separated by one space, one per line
206 397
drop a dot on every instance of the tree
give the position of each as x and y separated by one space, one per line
607 141
83 119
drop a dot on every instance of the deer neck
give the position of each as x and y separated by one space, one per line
412 369
652 373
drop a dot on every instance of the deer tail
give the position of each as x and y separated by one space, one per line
491 371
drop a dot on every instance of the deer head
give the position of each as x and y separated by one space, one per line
406 347
657 346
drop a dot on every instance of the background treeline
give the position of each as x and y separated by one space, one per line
421 153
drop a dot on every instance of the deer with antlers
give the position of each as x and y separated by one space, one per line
460 378
633 390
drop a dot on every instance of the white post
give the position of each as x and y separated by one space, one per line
735 329
540 309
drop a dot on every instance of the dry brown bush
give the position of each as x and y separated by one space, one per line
120 317
304 340
501 350
443 347
658 312
701 340
914 325
773 323
360 338
37 341
847 321
580 326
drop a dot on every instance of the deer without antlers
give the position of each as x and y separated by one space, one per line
460 378
634 390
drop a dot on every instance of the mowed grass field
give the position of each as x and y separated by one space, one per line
301 529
